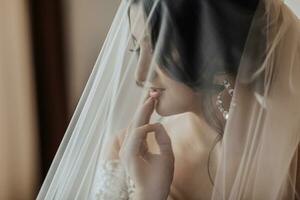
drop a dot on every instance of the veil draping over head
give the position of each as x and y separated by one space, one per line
226 80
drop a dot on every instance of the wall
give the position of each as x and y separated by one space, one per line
87 23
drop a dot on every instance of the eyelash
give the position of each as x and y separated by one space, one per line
136 50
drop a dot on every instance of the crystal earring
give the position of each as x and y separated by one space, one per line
219 101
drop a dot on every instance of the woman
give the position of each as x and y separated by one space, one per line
218 73
173 96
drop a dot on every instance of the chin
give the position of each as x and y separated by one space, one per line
166 111
163 113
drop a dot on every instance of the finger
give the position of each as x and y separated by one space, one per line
138 138
143 115
163 139
145 112
144 148
136 142
146 97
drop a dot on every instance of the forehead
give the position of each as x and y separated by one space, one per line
137 20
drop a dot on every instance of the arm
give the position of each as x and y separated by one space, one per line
110 181
151 173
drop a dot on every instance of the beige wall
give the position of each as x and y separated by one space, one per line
87 23
18 131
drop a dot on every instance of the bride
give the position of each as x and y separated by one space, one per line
191 136
205 93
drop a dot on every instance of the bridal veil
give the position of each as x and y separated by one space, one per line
256 41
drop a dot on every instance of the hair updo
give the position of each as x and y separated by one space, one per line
199 39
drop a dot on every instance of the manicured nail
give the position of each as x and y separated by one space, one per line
154 94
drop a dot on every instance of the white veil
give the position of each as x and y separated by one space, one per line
255 42
261 163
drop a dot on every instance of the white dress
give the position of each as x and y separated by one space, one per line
109 175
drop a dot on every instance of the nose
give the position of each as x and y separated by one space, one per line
140 75
143 75
142 69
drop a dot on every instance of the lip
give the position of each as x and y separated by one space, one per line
155 91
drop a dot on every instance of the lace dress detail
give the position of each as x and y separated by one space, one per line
111 182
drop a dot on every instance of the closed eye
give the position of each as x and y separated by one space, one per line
137 49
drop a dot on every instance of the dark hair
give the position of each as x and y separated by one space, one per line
199 39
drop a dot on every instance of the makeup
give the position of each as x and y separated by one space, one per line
155 92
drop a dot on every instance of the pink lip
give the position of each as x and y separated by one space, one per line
155 92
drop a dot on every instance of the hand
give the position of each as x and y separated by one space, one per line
151 173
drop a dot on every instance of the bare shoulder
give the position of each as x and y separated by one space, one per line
188 127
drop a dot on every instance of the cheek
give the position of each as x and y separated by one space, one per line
177 99
183 97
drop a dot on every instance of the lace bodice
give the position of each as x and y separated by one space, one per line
111 182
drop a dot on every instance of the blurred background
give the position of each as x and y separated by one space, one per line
47 51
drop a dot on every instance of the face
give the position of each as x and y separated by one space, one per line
173 97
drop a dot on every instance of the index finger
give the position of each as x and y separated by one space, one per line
144 113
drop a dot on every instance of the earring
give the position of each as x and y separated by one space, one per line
219 101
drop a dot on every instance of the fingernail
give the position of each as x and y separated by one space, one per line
154 94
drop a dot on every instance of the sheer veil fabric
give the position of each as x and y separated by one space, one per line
255 43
